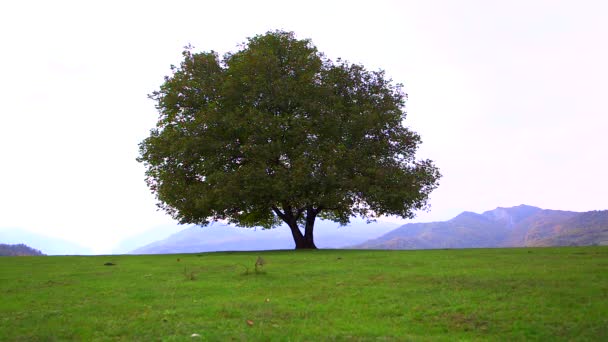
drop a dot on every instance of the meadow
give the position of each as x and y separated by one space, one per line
547 294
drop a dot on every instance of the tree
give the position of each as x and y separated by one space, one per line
276 132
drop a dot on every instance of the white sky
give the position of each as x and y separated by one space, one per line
509 97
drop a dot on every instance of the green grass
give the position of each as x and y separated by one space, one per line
546 294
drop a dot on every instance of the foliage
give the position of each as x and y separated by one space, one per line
520 294
277 132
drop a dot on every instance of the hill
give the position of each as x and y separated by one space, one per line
17 250
48 245
146 237
585 229
518 226
220 237
217 237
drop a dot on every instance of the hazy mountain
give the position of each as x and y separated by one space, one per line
589 228
146 237
17 250
502 227
220 237
46 244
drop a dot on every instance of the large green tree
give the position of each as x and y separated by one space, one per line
275 132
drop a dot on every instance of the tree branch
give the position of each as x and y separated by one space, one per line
281 215
287 211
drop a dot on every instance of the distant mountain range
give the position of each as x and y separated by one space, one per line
220 237
520 226
146 237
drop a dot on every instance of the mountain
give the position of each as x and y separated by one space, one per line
217 237
146 237
589 228
519 226
221 237
48 245
17 250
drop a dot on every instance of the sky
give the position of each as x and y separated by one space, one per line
508 96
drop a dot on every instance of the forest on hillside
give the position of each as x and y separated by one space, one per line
17 250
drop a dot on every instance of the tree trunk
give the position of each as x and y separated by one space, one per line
309 241
302 241
306 243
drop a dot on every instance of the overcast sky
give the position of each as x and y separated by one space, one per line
510 98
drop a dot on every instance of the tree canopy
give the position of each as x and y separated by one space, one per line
276 132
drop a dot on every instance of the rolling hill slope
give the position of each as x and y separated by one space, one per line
518 226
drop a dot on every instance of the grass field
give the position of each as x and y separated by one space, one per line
544 294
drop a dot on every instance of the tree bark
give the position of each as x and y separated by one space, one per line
309 241
302 241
